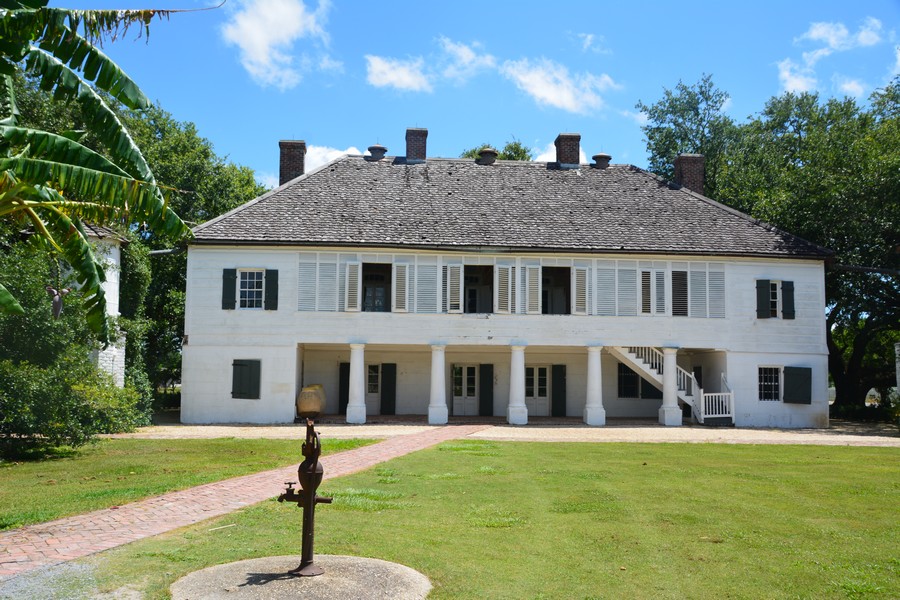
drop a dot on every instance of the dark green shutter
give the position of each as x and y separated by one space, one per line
797 385
271 291
388 389
762 299
787 299
343 388
485 390
245 379
229 283
558 390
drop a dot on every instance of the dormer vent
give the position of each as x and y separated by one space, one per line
486 156
376 152
601 161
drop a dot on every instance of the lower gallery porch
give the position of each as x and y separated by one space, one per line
512 382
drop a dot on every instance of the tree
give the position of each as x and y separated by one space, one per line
53 182
210 186
513 150
689 119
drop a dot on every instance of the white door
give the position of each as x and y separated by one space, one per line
537 391
465 390
373 389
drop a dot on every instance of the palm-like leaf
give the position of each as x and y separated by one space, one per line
52 180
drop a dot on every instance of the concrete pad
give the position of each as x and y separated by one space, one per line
345 578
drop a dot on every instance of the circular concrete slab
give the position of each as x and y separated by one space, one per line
345 578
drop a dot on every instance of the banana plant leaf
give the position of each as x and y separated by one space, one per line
8 304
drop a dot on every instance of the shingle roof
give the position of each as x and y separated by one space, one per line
509 205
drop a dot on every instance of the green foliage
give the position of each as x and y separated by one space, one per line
52 181
65 403
51 393
691 120
513 150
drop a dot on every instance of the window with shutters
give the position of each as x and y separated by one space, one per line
250 289
769 384
245 379
774 299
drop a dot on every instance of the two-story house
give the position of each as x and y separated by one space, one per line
442 287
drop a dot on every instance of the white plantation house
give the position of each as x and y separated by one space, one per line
445 287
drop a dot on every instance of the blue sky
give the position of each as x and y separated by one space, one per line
344 75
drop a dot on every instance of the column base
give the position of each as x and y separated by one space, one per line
356 415
437 415
670 416
517 415
594 415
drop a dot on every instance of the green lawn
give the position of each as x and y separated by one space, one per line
117 471
530 520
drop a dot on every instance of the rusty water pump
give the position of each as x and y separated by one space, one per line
309 475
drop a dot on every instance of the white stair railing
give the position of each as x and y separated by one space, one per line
653 358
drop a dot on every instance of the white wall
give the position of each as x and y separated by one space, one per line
218 336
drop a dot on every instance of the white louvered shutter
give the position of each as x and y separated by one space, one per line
579 291
306 284
401 288
354 286
533 290
454 288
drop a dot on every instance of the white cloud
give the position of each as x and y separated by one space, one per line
326 63
548 154
549 83
266 31
267 179
405 75
849 87
869 33
316 156
795 78
638 117
837 37
464 60
593 43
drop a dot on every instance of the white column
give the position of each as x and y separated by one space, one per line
517 412
669 412
437 404
356 403
594 413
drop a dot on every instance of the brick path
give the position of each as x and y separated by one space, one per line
44 544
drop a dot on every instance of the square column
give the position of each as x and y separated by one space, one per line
516 411
670 412
594 413
437 403
356 402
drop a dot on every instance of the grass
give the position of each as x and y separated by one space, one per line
116 471
530 520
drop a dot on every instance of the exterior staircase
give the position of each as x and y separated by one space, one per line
709 409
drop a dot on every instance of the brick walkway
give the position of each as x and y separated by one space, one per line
57 541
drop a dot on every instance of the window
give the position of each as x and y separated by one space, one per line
245 379
679 293
770 384
250 289
774 299
376 288
632 385
478 287
536 382
556 286
373 379
653 291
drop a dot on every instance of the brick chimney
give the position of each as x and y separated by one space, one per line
291 164
568 149
415 145
690 171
